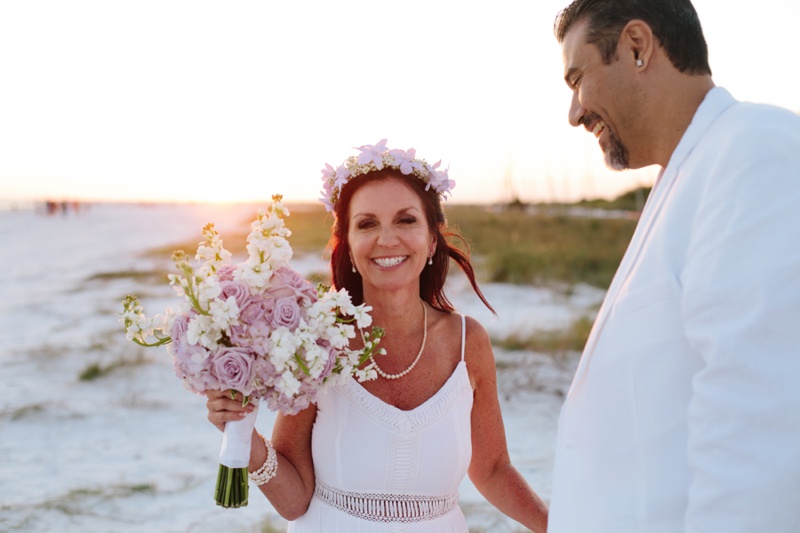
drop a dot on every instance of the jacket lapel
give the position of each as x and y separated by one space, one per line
715 102
652 208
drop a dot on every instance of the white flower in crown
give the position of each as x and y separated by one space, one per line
377 157
373 154
405 160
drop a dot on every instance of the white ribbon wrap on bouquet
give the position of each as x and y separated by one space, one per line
236 440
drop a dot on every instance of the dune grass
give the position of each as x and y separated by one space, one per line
543 246
556 341
23 411
140 276
97 370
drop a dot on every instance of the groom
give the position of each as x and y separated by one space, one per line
684 413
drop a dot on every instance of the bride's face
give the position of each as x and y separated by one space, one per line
388 236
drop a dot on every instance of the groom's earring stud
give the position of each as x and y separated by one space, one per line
639 63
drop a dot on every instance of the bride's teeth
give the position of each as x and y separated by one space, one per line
389 261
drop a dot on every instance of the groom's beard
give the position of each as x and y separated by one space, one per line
616 155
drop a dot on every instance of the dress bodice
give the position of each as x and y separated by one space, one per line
362 445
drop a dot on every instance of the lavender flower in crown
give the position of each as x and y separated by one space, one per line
257 328
377 157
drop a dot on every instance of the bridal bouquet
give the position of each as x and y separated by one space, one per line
257 328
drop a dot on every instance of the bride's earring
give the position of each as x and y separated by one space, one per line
353 265
430 259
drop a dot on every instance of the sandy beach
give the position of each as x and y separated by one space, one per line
131 450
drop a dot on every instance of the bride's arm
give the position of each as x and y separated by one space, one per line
490 469
291 489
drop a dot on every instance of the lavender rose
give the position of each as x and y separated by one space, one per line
225 272
256 310
179 326
239 292
287 282
286 313
253 319
232 366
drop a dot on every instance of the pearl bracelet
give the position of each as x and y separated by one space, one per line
269 468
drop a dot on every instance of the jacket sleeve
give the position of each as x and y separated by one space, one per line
741 306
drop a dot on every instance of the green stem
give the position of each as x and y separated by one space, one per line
232 487
159 342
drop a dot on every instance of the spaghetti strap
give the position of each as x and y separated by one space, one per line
463 335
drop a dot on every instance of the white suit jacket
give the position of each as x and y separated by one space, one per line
684 413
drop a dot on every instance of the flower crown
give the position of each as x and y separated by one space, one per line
377 157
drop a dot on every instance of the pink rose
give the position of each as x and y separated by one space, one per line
225 272
232 367
287 282
177 330
286 313
239 292
256 310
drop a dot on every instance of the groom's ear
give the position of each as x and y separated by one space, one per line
636 43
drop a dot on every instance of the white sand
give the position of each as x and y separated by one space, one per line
132 451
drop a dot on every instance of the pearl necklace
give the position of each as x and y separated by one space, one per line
383 374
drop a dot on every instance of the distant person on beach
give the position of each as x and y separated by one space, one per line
683 415
389 454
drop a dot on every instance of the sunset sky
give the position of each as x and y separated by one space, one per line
235 101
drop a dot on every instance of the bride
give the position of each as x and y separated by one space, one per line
389 454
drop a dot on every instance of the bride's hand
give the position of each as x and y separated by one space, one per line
222 408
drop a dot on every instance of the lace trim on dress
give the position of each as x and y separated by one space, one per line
401 473
386 507
417 419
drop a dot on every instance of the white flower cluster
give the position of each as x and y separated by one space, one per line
267 245
211 253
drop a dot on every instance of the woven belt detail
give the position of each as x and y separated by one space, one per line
387 507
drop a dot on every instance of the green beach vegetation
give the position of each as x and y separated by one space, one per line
543 245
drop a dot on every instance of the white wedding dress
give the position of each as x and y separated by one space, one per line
382 469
